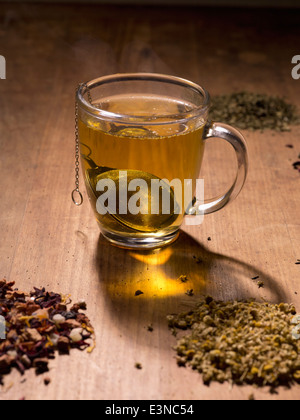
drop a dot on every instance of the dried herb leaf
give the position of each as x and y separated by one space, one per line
242 342
247 110
38 324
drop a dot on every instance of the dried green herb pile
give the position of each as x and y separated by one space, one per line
239 342
37 325
246 110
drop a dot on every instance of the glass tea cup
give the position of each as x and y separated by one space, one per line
141 138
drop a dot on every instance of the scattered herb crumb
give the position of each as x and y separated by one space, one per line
183 279
296 166
260 284
255 278
47 381
190 292
138 366
209 238
150 328
138 293
197 259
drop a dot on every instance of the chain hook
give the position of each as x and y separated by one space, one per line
77 203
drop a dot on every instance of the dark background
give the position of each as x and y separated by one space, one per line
234 3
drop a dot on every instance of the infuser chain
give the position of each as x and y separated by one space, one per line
77 150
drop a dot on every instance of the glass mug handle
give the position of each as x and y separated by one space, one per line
235 138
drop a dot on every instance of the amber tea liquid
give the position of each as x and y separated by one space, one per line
146 151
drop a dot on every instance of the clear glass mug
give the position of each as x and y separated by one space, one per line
142 139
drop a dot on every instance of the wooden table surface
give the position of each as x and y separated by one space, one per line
47 241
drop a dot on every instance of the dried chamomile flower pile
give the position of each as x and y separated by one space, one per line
253 111
35 325
242 342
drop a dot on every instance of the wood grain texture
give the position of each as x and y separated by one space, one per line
46 241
